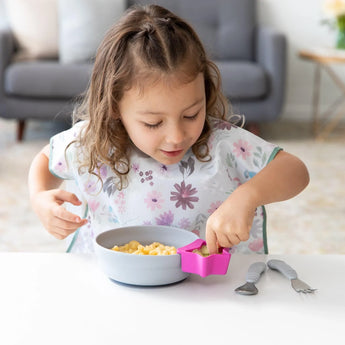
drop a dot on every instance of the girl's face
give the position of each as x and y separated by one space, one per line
165 120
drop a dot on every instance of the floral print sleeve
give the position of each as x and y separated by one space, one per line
61 154
244 154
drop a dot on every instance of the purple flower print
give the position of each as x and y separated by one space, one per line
135 167
214 206
154 200
223 125
60 166
196 232
166 218
147 222
183 196
256 230
103 171
163 169
90 186
184 223
256 245
146 176
93 204
242 149
120 202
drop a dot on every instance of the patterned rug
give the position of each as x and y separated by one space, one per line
312 222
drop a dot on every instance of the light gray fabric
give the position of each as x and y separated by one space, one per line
51 80
271 55
226 27
242 79
82 26
22 108
6 52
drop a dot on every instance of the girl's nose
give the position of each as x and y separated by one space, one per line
175 134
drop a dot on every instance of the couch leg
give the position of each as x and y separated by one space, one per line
253 127
20 129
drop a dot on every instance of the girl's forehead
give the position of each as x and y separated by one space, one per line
156 97
165 82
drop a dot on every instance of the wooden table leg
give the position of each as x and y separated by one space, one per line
330 125
322 133
20 129
316 99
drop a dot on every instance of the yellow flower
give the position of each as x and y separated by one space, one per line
334 8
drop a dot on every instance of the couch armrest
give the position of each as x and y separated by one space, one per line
7 48
271 51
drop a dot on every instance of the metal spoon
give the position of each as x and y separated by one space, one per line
253 275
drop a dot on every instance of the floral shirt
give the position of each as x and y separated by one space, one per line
182 195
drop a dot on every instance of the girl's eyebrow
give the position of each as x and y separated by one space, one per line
150 112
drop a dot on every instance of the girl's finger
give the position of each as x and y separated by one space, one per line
61 213
234 239
66 225
211 241
224 240
65 196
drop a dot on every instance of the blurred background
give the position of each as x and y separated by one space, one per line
33 108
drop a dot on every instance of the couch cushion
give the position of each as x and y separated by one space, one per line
35 26
242 80
82 26
46 79
226 27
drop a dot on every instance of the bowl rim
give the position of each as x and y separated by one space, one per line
165 227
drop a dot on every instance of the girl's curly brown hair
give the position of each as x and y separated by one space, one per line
148 43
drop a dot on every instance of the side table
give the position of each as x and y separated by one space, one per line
324 58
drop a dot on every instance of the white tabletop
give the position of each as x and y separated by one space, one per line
65 299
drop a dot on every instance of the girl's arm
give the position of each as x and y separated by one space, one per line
47 200
40 178
283 178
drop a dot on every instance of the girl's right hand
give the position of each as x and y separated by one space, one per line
48 205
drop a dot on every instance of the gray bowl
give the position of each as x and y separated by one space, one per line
146 270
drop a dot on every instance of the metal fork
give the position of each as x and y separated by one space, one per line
290 273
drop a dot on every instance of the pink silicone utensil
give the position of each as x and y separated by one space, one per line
203 266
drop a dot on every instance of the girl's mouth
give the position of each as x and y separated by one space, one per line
172 153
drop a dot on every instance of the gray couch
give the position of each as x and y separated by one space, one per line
252 61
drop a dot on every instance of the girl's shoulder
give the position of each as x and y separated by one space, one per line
226 136
69 136
225 129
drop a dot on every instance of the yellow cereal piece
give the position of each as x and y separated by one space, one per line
133 245
155 248
203 251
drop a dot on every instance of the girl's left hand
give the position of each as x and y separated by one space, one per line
230 224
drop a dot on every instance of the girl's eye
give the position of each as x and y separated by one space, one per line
193 117
153 126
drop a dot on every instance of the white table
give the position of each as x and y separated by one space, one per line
65 299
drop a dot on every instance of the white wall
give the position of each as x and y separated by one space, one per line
300 21
3 19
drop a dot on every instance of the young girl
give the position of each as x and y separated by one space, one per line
151 145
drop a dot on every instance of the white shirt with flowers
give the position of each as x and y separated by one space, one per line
182 195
